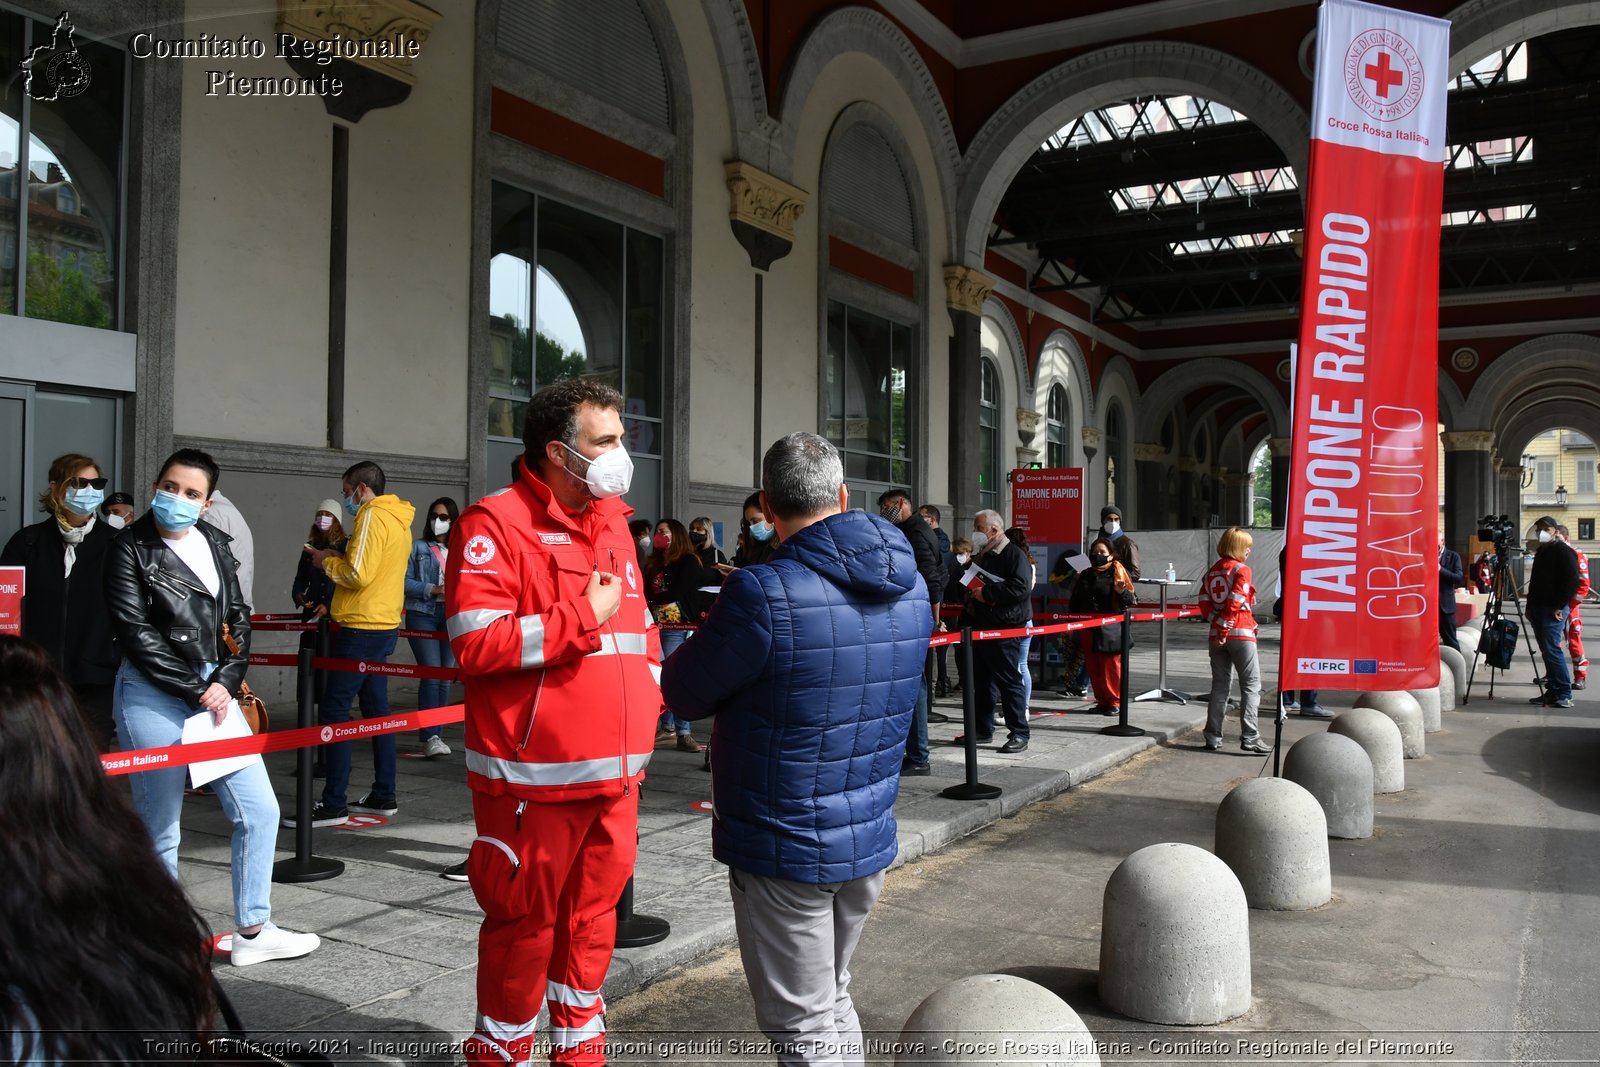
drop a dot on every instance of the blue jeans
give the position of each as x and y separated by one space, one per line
994 663
148 717
341 691
917 739
431 692
671 640
1023 644
1549 633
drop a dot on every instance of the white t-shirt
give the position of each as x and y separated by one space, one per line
195 551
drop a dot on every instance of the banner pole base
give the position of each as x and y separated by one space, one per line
310 869
1171 695
1122 730
972 791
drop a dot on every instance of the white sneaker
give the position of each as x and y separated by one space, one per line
436 747
272 943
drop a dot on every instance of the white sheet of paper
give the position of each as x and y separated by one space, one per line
197 728
970 575
1080 562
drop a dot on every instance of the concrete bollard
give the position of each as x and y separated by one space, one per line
1274 837
1430 701
1380 737
1337 771
1175 938
1406 713
1457 661
1468 637
1447 687
986 1019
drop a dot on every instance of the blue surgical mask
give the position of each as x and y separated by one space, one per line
173 512
351 506
84 501
761 530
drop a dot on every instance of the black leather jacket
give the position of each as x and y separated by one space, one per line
165 621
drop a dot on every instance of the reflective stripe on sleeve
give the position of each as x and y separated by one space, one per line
577 772
466 622
532 640
622 644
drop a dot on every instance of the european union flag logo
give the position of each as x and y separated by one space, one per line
1366 666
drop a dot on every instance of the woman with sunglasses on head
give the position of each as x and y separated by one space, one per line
172 586
64 603
425 611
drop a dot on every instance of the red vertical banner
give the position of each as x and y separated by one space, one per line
11 591
1361 582
1047 504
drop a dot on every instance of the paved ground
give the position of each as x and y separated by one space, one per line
1468 918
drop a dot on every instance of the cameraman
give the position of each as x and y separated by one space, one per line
1551 587
1451 572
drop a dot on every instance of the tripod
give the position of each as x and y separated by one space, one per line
1501 588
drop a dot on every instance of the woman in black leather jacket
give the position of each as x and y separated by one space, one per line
171 585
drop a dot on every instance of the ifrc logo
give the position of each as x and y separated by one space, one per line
1324 666
361 666
1217 587
478 551
1383 75
327 733
633 582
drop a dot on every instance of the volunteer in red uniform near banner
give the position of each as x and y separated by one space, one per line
1580 663
1361 589
546 613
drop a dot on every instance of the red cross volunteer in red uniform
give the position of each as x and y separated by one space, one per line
546 612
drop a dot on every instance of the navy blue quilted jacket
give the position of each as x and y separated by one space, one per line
811 664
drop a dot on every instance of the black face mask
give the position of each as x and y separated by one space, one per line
1100 559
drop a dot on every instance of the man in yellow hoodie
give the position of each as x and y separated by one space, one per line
369 583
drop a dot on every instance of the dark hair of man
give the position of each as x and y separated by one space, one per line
366 473
1563 531
639 528
801 475
893 495
450 510
1017 537
929 509
680 548
553 414
80 869
200 461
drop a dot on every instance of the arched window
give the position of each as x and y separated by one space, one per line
1058 420
988 435
1113 454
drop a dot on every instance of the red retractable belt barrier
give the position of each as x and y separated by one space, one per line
182 755
397 670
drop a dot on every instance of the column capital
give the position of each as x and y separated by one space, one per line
762 209
1281 446
1468 441
387 22
1189 465
1145 452
1028 421
1091 438
966 288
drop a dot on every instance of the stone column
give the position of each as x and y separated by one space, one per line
1237 490
1147 463
1190 471
1281 448
965 291
1093 488
762 210
1469 489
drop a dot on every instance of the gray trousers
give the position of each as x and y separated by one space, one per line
1234 656
796 941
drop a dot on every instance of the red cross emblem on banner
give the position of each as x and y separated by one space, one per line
1383 76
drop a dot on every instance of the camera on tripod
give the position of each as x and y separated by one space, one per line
1501 531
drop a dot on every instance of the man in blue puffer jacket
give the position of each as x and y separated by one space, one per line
811 663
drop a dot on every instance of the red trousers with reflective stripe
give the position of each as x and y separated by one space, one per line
1105 672
1580 666
550 922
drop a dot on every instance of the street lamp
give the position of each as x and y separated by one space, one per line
1561 496
1527 469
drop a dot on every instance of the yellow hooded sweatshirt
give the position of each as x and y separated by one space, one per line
369 581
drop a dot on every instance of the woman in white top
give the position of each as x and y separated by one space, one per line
172 586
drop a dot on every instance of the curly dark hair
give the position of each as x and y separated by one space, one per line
81 871
553 413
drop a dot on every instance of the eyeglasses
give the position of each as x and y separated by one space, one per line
87 483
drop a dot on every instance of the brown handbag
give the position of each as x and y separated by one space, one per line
252 707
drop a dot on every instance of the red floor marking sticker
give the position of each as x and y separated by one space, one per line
362 822
701 805
415 755
222 944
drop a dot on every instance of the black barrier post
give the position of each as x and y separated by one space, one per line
1121 727
635 930
971 789
305 867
